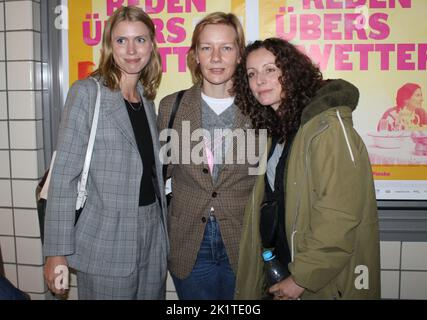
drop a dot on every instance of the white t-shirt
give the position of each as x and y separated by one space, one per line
218 105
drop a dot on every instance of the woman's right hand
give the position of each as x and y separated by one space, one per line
50 275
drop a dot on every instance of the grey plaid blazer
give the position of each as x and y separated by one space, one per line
104 240
194 192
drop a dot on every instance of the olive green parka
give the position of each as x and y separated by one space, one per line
331 215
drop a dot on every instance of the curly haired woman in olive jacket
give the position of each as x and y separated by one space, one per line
329 237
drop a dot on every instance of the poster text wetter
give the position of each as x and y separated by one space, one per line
381 47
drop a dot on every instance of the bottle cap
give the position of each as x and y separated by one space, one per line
267 255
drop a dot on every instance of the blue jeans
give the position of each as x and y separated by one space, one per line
212 277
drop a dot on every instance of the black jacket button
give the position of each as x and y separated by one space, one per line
214 194
205 171
203 219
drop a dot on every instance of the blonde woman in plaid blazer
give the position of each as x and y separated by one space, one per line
119 244
206 213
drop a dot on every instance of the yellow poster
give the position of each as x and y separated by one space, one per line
174 21
379 45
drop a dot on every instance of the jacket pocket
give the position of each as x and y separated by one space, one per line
106 236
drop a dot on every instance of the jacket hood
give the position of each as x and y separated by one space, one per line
333 94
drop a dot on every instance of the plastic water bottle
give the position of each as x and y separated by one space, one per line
274 270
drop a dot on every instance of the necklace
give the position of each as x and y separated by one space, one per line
128 103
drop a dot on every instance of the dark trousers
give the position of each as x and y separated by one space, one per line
9 292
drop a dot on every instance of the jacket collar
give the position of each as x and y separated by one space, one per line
334 93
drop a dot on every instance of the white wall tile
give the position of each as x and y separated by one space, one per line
39 134
11 273
2 76
414 256
73 294
390 284
171 296
2 53
73 278
24 164
413 285
26 134
36 16
19 15
23 135
21 75
5 193
37 76
37 296
29 251
4 164
170 289
31 279
40 163
3 106
390 254
24 104
6 222
4 135
1 16
7 245
169 283
22 45
37 47
23 193
26 223
39 104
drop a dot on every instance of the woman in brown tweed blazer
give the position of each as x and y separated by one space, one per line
206 213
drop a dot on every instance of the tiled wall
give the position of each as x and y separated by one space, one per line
21 143
404 270
403 264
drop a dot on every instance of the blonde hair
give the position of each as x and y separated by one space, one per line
228 19
151 74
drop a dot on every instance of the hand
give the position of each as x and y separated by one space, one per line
49 273
286 289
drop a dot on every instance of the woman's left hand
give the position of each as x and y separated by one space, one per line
286 289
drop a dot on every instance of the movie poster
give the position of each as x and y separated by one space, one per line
378 45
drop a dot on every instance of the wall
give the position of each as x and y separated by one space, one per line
403 264
21 143
404 270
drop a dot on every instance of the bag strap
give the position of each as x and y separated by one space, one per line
81 196
170 124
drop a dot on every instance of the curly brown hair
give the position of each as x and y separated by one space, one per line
300 80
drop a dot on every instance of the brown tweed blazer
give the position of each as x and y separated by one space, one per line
194 192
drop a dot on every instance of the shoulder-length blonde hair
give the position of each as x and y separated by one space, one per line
228 19
151 74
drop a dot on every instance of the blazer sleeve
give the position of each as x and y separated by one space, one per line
72 143
337 184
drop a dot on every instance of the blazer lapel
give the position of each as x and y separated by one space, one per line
152 124
119 115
